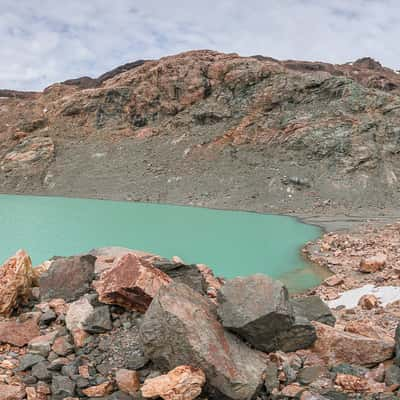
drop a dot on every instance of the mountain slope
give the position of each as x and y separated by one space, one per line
211 129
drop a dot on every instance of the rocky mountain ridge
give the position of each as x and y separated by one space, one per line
211 129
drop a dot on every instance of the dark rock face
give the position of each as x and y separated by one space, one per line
182 273
300 335
314 309
397 345
62 387
67 278
257 309
181 328
98 321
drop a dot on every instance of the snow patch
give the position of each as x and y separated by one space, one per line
350 298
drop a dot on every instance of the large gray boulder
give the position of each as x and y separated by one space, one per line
256 308
314 309
181 328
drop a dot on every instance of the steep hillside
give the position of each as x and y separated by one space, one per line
211 129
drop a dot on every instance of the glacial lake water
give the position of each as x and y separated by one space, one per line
232 243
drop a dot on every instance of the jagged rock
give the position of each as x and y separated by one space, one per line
41 372
181 328
67 278
258 309
78 312
62 387
42 344
16 276
11 392
188 274
300 335
101 390
314 309
183 382
98 321
131 283
127 381
336 346
29 360
373 264
19 333
62 346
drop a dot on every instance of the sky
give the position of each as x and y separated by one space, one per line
47 41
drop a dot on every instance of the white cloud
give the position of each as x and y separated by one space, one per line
44 41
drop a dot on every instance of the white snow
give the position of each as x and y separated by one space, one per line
350 298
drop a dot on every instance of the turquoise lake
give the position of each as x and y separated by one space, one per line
232 243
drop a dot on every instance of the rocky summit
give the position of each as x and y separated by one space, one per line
211 129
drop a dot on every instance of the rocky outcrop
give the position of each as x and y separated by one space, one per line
131 283
183 383
258 309
67 278
172 336
167 123
16 277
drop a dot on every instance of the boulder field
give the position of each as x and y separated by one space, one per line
130 325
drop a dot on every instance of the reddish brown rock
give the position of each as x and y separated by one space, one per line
181 328
127 381
292 391
33 394
131 283
373 264
99 390
368 302
183 383
16 276
336 346
10 392
79 336
59 306
18 333
62 346
368 329
351 383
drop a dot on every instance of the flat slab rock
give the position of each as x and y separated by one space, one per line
67 278
336 346
18 333
181 328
